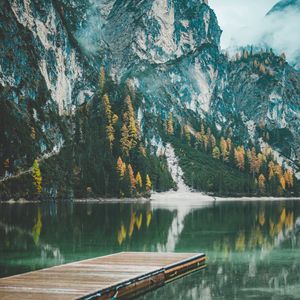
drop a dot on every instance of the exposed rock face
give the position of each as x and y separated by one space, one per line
168 49
268 99
38 48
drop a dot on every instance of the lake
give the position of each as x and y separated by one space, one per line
252 246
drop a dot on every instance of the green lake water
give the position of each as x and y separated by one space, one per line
253 248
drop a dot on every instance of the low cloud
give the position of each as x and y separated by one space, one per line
245 23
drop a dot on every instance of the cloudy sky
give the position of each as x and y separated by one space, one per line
244 23
238 18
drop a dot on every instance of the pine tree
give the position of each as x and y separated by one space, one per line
139 181
261 182
33 133
239 155
229 145
224 149
262 68
102 78
120 168
187 134
115 119
37 176
110 131
289 178
216 153
125 142
131 177
110 134
283 56
282 182
148 183
271 170
255 161
213 142
170 129
130 128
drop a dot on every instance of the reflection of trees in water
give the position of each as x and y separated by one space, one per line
265 234
15 235
136 221
247 259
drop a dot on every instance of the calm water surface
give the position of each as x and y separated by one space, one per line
253 248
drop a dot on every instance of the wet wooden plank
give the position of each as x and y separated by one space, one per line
120 275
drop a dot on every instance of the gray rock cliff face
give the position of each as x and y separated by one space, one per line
169 50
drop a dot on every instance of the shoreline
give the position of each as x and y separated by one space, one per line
170 196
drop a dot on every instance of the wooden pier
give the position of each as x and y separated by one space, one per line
122 275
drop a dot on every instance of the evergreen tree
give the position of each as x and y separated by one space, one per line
239 155
121 168
131 177
148 183
289 178
261 182
102 79
282 182
224 149
110 131
37 176
170 128
139 181
125 142
216 153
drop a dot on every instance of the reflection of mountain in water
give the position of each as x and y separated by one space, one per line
253 249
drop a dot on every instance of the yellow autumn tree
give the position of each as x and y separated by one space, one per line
239 155
139 180
289 178
271 170
125 142
282 182
213 142
110 131
148 183
261 182
170 128
121 167
131 177
255 161
37 176
224 149
216 152
229 145
102 78
132 123
187 134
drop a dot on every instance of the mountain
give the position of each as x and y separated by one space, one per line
165 55
284 5
281 31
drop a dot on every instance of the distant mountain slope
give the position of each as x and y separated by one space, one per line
283 5
165 55
282 29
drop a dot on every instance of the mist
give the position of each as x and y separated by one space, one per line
245 23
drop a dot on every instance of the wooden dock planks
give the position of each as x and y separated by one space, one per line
121 275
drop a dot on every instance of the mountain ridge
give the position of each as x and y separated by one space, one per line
168 59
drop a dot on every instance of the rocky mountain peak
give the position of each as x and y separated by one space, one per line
158 31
